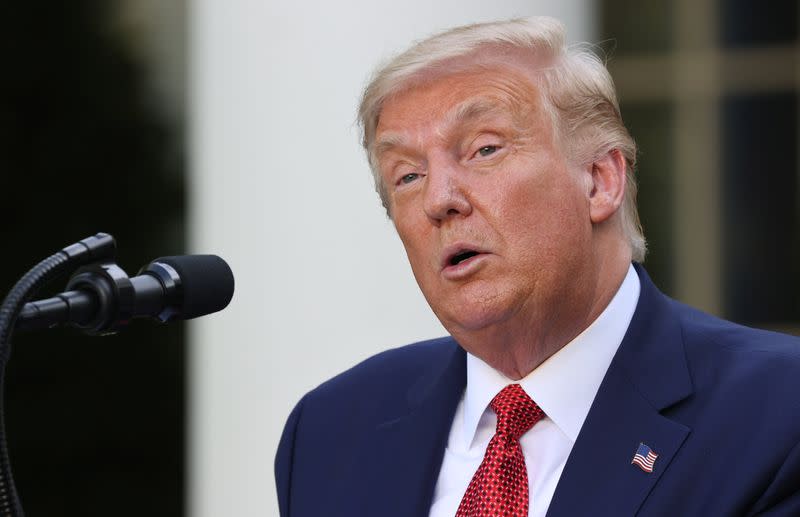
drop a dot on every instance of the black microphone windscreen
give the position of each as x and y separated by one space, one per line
206 280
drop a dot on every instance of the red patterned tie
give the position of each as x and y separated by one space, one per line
500 485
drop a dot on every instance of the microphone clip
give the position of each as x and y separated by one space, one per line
155 292
112 292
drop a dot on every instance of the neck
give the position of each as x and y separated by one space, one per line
531 335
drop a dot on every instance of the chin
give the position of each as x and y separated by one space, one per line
472 316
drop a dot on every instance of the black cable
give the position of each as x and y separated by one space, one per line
92 249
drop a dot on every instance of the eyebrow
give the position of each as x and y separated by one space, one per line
387 142
464 112
472 110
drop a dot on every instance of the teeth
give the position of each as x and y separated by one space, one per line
462 256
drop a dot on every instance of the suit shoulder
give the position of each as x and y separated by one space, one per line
727 356
703 330
396 366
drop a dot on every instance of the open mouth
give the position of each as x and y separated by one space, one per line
461 256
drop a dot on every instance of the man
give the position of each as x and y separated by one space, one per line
570 386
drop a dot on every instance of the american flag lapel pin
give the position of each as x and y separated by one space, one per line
645 458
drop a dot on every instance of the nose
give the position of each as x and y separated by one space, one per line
444 193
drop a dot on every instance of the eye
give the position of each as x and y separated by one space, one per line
486 150
408 178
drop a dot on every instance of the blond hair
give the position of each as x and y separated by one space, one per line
576 86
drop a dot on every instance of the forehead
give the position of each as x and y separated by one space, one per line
451 98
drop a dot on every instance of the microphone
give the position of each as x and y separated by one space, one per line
101 298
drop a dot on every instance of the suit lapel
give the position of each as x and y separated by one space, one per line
402 457
648 374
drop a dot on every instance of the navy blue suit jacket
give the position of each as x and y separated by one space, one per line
718 402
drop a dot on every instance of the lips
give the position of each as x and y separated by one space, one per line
459 254
462 256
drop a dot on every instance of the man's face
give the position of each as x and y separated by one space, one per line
494 218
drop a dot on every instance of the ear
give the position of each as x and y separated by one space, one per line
607 186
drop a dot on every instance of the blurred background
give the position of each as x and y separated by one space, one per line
195 126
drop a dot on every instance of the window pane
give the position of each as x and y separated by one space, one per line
651 127
746 23
760 208
635 27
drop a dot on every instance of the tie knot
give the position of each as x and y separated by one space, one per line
516 412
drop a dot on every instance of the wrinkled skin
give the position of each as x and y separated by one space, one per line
471 162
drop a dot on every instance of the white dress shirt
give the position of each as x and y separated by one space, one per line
564 386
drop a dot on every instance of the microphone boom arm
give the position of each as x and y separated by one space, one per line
101 299
98 247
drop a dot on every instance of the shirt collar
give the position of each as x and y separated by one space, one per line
586 359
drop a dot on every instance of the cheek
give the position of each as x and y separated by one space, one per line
539 218
416 242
